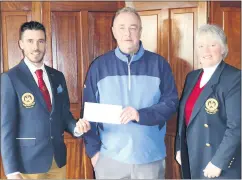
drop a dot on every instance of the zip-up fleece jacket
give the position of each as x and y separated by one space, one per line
145 83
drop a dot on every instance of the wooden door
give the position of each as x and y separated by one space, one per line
227 14
169 29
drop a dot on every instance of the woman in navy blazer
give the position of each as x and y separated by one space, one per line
208 143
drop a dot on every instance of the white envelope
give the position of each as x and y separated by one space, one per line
104 113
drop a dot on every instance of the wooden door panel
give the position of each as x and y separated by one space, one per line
78 164
232 29
11 24
11 6
91 6
172 167
65 50
100 37
227 14
73 166
183 27
150 30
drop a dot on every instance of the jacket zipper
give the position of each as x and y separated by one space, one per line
129 73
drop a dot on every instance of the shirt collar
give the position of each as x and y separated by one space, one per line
210 70
32 67
124 56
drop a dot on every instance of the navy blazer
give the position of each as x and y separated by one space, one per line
213 133
31 135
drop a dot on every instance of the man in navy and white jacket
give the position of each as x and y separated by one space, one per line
142 82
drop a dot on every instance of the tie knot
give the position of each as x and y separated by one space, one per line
39 73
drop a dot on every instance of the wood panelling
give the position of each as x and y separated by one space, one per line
104 6
151 31
232 29
78 165
226 4
86 165
155 5
100 37
73 167
65 48
11 24
164 34
202 18
228 16
85 59
36 14
46 20
183 25
174 168
150 28
16 6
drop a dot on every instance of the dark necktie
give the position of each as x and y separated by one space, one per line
43 88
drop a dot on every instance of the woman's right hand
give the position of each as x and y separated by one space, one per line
178 157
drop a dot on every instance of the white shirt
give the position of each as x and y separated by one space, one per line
207 74
32 69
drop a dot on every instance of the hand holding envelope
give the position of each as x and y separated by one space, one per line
129 114
106 113
83 126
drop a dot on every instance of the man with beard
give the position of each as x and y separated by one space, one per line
35 112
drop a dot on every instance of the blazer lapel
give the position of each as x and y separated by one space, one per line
28 79
186 92
51 77
190 87
208 89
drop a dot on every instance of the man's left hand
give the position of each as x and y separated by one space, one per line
129 114
212 171
83 126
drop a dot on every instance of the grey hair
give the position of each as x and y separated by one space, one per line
128 10
217 32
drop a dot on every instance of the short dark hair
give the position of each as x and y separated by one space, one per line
31 25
